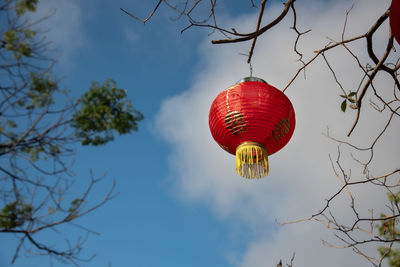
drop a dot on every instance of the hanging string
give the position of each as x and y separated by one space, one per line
250 65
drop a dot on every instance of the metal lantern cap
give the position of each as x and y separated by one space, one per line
251 79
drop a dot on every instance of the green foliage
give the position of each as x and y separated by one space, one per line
348 98
75 204
37 140
33 152
54 149
393 255
11 124
15 214
23 6
104 110
343 105
388 231
40 91
17 41
73 209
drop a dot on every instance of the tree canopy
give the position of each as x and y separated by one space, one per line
41 126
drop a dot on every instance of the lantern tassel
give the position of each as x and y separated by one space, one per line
251 160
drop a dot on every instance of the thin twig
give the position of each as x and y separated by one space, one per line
148 17
257 29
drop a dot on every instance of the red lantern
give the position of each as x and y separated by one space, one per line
394 19
252 119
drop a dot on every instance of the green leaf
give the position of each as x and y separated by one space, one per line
343 105
73 209
23 6
11 124
41 90
75 204
17 41
343 96
54 149
15 214
10 36
352 94
33 152
388 230
104 110
20 103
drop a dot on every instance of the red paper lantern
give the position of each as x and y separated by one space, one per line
252 119
394 19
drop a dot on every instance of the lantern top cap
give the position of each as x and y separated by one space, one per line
251 79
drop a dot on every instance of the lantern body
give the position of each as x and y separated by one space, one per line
394 19
255 115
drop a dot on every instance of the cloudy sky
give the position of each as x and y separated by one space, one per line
181 202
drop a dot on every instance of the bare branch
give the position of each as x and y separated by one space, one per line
148 17
257 29
369 81
253 35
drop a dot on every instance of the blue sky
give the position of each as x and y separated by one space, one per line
180 202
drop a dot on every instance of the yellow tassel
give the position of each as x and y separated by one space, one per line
251 160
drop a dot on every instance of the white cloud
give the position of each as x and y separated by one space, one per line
63 27
300 176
